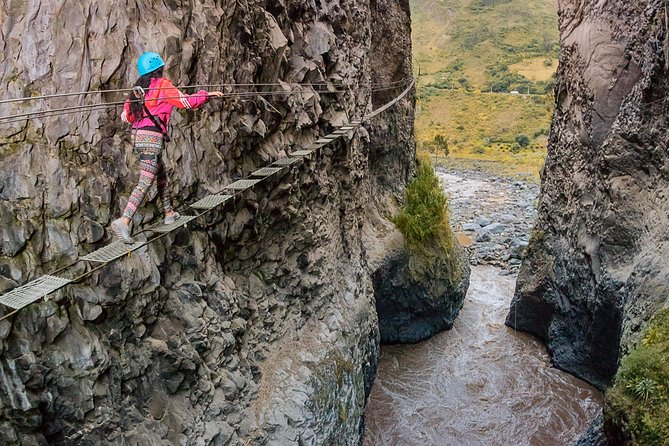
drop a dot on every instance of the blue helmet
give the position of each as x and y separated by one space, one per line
149 62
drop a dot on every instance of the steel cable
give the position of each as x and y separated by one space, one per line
39 114
128 90
182 87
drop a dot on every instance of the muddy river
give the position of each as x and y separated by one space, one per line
480 383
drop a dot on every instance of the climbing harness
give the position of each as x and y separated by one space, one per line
41 287
139 93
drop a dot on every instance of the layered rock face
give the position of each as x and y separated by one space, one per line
596 268
255 325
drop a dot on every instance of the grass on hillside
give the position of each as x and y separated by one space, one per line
463 38
638 402
483 119
525 165
465 49
539 69
484 126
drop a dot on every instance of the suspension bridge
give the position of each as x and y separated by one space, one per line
43 286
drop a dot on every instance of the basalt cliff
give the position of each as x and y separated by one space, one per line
254 325
596 268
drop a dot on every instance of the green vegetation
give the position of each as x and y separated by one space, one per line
523 140
473 54
638 402
502 79
332 395
438 145
464 38
423 220
484 127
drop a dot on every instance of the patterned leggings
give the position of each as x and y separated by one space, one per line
149 145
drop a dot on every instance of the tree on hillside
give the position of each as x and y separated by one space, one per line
523 140
548 43
440 144
437 146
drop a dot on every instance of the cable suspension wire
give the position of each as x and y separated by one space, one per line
86 107
38 114
183 87
86 274
128 90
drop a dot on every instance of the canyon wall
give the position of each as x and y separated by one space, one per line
596 268
256 325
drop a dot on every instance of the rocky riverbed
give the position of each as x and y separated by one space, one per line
492 216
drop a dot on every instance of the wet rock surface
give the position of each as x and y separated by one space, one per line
255 325
414 305
594 436
492 215
596 268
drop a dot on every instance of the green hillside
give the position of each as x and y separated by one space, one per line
475 56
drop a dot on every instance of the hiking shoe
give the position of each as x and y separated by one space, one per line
122 231
172 218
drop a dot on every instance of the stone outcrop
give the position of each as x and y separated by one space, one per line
594 436
255 325
431 305
596 268
416 296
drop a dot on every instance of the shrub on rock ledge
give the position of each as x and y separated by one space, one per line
420 287
423 221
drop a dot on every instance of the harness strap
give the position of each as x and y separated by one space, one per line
139 92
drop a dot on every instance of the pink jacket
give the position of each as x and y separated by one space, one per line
161 97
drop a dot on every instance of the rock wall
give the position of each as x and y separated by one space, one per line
257 324
596 267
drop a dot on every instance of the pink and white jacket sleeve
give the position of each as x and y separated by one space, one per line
126 116
170 94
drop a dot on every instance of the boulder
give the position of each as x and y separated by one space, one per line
483 221
517 248
495 228
471 227
417 298
483 235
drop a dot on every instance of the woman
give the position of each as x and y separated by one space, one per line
150 116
